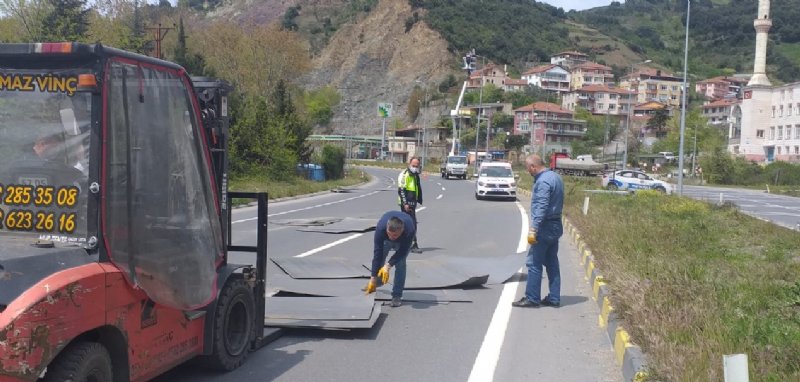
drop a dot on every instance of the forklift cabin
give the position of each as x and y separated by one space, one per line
115 219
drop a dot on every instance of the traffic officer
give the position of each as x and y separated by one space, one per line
409 190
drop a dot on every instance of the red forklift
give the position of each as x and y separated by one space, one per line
115 219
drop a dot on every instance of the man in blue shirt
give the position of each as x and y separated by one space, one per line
547 201
395 231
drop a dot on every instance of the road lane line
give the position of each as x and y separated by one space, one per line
486 361
439 197
337 242
329 245
307 208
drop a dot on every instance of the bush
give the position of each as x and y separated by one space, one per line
333 161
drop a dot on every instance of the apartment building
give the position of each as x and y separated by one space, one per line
569 59
489 74
551 127
553 78
599 99
720 87
590 73
513 84
654 85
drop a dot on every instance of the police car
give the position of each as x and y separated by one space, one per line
496 180
633 180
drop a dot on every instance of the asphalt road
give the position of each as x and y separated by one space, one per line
778 209
485 340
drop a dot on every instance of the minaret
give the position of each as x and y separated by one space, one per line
762 25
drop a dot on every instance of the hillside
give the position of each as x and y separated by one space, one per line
722 38
380 50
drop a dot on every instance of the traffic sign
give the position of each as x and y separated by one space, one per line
384 110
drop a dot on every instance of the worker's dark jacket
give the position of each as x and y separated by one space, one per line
409 230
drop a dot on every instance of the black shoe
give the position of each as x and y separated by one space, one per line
416 249
546 302
396 301
525 303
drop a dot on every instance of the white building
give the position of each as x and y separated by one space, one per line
552 78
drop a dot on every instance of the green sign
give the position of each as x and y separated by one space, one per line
384 110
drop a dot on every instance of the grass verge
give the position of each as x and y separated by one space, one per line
296 186
695 281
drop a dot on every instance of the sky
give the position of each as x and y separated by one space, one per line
577 5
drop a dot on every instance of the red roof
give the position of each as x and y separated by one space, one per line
723 79
720 103
545 107
591 65
539 69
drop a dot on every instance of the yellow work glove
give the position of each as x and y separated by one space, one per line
383 273
371 286
532 237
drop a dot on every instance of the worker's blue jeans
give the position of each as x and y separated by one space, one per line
399 281
544 253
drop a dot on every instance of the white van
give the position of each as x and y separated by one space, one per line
496 180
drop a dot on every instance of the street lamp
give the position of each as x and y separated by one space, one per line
630 110
683 102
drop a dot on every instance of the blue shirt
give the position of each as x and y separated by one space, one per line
409 229
548 198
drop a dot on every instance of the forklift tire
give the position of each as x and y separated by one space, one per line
234 325
81 362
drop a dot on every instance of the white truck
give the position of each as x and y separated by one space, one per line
454 165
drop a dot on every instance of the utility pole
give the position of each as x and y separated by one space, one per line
480 111
159 36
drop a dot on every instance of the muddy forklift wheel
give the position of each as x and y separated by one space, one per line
234 325
81 362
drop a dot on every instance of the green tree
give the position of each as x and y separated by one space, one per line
333 158
68 20
658 122
286 115
260 143
29 16
319 104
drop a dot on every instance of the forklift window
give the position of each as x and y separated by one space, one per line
161 221
43 162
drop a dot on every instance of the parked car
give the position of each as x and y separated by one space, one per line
496 180
634 180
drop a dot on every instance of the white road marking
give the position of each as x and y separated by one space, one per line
486 361
337 242
444 189
308 208
439 197
329 245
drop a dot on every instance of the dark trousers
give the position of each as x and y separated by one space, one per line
413 214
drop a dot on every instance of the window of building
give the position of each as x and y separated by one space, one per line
771 133
736 149
780 111
675 88
796 131
759 133
600 96
612 107
780 132
663 87
779 150
797 150
524 126
600 106
789 111
773 112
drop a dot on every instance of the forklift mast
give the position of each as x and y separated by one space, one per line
212 96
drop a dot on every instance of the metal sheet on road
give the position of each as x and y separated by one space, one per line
320 267
327 324
320 308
